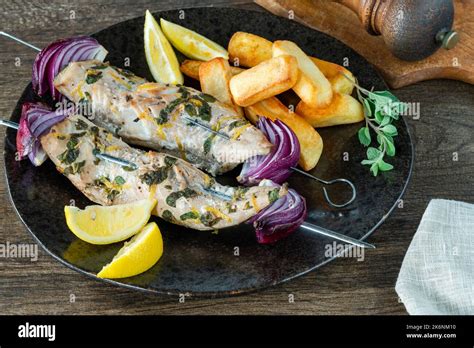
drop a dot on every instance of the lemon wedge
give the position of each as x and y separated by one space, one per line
159 54
137 255
192 44
97 224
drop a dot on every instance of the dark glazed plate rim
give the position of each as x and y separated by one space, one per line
213 294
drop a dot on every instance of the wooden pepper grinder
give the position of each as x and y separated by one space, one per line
411 29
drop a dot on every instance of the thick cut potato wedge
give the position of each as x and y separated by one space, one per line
335 74
190 68
214 77
312 86
332 71
311 143
342 110
264 80
250 50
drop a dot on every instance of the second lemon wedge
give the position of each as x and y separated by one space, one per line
105 225
161 59
192 44
137 255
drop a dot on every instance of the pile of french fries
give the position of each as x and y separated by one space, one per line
266 69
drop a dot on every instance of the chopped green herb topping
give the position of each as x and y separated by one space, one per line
112 189
273 195
167 216
129 169
93 76
81 125
119 180
99 66
237 124
125 73
207 97
174 196
155 177
189 215
94 130
208 219
170 161
72 152
231 208
184 92
165 112
208 143
74 168
240 192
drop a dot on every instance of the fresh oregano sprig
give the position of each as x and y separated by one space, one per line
381 110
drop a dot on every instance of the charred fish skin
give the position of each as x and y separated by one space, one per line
186 196
157 116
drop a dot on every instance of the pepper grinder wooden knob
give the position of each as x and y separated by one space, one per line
411 29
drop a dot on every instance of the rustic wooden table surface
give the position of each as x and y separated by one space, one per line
344 286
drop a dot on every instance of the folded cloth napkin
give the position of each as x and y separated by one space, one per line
437 274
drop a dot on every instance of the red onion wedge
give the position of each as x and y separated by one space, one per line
280 219
36 119
276 166
57 55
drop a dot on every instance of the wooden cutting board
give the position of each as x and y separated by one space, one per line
340 22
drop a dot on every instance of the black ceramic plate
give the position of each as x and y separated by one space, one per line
202 263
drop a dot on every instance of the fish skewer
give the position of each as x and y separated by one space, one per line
14 38
186 196
163 117
221 194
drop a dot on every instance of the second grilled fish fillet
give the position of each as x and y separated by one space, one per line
186 196
157 116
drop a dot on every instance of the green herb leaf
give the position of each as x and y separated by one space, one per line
373 153
389 130
364 136
390 147
386 120
366 162
369 108
384 166
374 168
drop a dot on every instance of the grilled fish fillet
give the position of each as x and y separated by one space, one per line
157 116
186 196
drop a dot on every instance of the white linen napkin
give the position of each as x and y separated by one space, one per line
437 274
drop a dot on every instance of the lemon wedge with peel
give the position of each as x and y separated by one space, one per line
137 255
192 44
161 59
97 224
